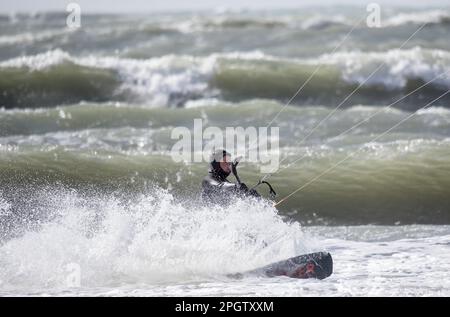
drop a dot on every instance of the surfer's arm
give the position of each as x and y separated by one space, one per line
212 184
213 187
226 186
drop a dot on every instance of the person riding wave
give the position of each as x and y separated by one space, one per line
216 187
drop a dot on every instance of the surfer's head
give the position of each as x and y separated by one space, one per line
220 164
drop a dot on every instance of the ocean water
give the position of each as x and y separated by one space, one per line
92 204
156 245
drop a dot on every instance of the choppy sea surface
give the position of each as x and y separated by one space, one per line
87 182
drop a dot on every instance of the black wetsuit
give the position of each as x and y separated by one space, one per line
217 189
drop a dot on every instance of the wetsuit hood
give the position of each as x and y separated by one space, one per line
214 165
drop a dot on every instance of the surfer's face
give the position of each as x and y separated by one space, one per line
225 164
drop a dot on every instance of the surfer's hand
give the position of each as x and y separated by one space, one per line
253 193
237 160
243 187
233 167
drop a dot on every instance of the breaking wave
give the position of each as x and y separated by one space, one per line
56 77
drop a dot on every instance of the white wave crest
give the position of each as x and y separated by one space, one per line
153 239
431 17
158 81
38 61
321 22
398 66
28 37
176 79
